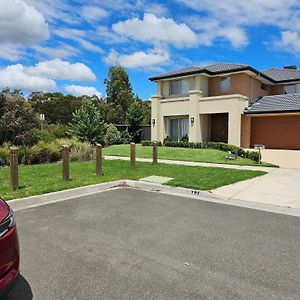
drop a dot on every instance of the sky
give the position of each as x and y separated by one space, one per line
68 45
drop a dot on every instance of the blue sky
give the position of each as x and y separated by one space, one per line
68 45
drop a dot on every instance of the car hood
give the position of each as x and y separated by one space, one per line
4 210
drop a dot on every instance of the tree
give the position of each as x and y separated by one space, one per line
113 135
58 108
119 94
17 119
146 106
87 123
135 116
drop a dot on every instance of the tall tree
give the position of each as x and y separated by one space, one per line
87 123
135 116
58 108
17 119
119 94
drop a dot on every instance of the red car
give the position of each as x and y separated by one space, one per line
9 249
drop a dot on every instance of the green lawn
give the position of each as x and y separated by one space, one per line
40 179
186 154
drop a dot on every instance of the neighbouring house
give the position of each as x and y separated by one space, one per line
231 103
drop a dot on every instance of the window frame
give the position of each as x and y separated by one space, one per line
178 125
228 87
180 88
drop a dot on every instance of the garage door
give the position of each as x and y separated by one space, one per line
282 132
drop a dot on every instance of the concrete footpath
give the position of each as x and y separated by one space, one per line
192 164
279 187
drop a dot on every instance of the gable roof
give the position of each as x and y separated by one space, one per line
273 75
283 74
275 104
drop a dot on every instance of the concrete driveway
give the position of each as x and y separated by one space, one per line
289 159
131 244
279 187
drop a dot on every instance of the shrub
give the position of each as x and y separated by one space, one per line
82 152
167 139
149 143
112 136
52 132
125 137
184 138
4 156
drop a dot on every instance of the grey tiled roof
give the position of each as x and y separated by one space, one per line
211 69
223 67
282 74
274 75
180 71
277 103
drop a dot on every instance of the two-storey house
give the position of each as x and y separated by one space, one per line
232 103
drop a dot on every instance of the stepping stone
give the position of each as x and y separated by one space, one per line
157 179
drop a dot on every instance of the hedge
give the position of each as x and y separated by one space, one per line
149 143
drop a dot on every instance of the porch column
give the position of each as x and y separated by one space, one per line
234 129
156 123
194 116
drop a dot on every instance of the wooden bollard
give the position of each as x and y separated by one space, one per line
132 155
14 172
154 153
98 160
66 163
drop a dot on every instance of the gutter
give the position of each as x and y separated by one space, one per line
271 112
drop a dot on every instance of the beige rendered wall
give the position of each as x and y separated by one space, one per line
234 105
199 108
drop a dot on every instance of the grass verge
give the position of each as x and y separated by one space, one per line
183 154
40 179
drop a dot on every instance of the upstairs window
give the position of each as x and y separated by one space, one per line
224 84
179 87
292 89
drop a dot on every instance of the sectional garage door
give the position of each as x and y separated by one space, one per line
276 132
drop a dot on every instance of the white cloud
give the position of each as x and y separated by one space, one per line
156 9
246 12
15 76
79 36
138 59
78 90
229 19
59 69
61 51
157 31
21 24
57 10
289 41
94 13
11 52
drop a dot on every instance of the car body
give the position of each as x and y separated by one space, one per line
9 248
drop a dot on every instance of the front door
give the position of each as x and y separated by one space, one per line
219 128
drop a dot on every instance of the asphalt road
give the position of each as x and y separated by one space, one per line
130 244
